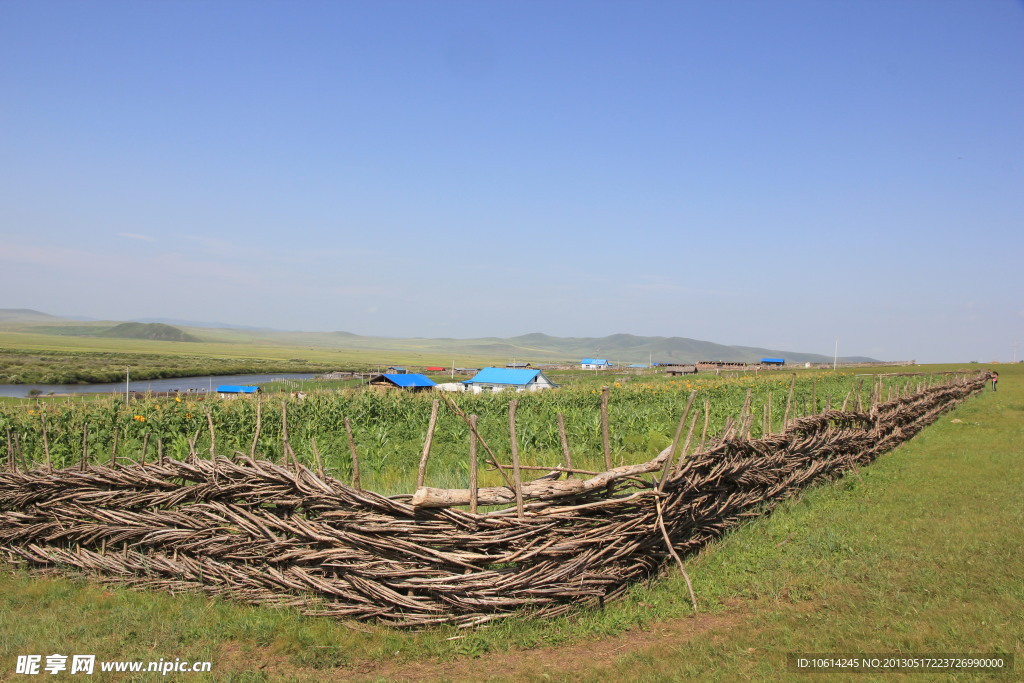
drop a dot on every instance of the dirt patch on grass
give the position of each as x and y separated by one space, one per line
557 660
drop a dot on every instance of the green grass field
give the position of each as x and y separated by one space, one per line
918 553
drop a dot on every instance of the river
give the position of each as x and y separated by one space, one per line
185 384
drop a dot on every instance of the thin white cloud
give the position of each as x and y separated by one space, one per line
134 236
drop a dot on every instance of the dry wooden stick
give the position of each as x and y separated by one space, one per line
85 447
46 441
422 472
672 551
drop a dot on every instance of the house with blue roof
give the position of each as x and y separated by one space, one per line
499 379
410 381
595 364
235 390
773 361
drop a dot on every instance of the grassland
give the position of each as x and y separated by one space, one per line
918 553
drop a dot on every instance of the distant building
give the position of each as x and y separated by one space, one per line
235 390
410 381
773 361
721 365
595 364
397 370
517 365
676 370
435 368
499 379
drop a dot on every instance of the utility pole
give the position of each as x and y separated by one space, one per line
835 357
127 381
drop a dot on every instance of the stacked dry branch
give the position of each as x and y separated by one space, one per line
284 536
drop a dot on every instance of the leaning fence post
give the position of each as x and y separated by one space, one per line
707 417
113 449
517 477
259 425
675 442
422 473
789 400
473 483
209 422
11 465
355 459
46 442
316 455
565 442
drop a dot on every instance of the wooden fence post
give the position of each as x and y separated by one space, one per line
473 477
605 436
422 473
356 484
517 476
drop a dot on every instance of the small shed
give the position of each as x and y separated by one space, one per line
773 361
595 364
397 370
517 365
435 368
676 370
236 390
410 381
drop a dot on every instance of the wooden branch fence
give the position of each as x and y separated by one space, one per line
285 536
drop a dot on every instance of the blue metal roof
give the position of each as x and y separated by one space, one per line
773 360
236 389
411 379
503 376
594 361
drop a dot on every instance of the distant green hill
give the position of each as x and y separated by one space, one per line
535 347
154 331
25 315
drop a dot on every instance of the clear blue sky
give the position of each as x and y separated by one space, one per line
772 173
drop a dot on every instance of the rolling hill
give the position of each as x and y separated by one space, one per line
535 347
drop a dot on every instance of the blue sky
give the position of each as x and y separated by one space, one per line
769 173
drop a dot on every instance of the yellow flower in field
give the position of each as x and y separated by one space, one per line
177 399
139 418
188 415
157 406
31 412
